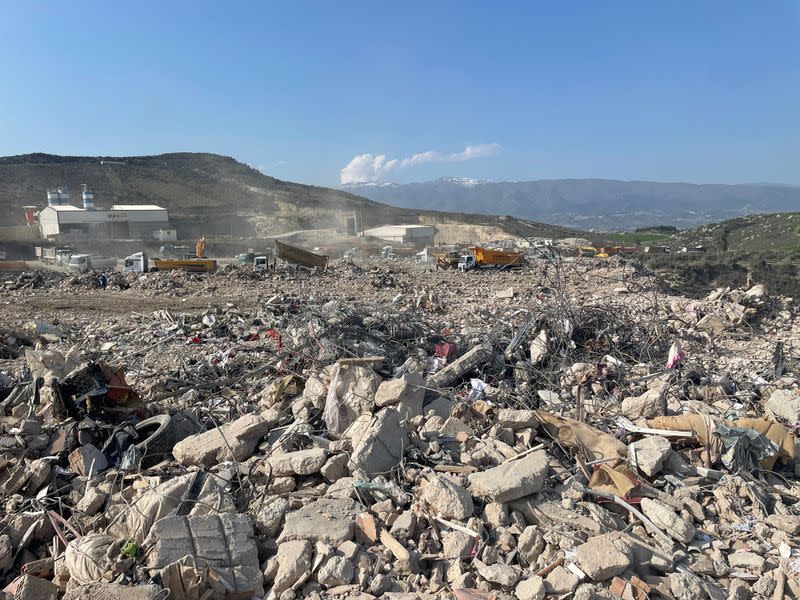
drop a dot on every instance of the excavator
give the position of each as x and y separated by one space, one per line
197 263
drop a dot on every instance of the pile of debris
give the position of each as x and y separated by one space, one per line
563 440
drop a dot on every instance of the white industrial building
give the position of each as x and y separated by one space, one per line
419 235
63 221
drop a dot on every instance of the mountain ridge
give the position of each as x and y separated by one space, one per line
596 203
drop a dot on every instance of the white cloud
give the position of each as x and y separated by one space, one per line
376 167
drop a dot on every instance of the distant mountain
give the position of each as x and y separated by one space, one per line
588 203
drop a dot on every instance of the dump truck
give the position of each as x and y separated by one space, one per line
479 258
81 263
193 265
298 256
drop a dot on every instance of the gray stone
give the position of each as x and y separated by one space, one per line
539 348
665 519
560 581
380 448
114 591
739 590
651 452
517 419
497 573
92 501
457 544
34 588
532 588
604 556
764 586
270 515
530 544
336 570
447 499
712 324
787 523
785 404
746 560
651 403
329 520
406 392
232 441
512 480
6 553
300 462
87 458
453 426
685 586
404 525
294 560
334 468
224 542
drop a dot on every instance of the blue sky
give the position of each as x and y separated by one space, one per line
672 91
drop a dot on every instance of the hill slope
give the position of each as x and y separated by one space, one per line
589 203
212 194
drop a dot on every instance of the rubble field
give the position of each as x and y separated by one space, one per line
572 429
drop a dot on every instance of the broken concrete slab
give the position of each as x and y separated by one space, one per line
785 404
231 441
87 460
532 588
328 520
512 480
650 453
381 446
652 403
224 542
114 591
300 462
604 556
406 392
294 560
447 499
449 374
667 520
516 419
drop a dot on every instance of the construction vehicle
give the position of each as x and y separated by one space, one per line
246 258
200 248
135 263
81 263
447 260
265 261
479 258
587 251
298 256
193 265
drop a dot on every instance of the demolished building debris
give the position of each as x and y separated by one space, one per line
281 434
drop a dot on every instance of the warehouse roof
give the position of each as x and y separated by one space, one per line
137 207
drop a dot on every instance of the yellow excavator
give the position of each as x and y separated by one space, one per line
197 264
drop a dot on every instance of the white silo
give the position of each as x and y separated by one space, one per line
53 197
88 197
63 196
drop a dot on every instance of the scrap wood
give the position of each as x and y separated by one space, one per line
397 549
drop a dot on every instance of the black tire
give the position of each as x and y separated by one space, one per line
160 435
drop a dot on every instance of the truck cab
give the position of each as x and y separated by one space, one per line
261 263
467 262
80 263
135 263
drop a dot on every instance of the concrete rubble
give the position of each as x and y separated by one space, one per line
570 430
